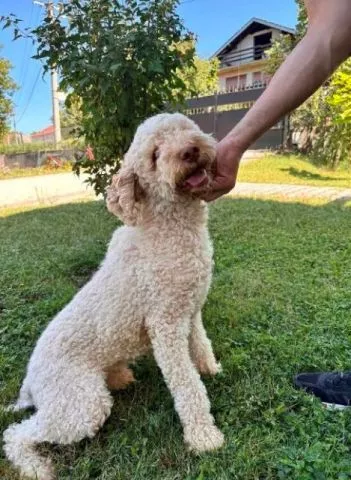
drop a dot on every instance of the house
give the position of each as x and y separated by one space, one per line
46 135
242 57
17 138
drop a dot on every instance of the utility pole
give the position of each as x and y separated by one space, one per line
55 106
14 128
49 6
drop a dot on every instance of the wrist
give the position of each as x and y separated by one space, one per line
244 133
233 146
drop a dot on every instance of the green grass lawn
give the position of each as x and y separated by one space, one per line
292 169
280 304
5 174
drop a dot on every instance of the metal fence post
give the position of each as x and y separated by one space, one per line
215 113
286 132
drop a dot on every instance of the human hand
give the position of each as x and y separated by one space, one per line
226 169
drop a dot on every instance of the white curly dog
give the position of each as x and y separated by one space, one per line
147 293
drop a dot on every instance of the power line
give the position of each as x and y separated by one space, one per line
36 20
25 60
30 95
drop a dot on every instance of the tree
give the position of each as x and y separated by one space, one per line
277 53
340 95
302 20
7 88
332 145
121 59
201 78
71 117
324 120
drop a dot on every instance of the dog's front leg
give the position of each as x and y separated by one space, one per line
170 342
201 348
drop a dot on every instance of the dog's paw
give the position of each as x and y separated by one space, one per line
203 438
41 471
45 474
206 367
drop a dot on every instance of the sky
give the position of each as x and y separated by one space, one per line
212 21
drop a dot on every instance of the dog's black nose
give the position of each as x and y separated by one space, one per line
190 154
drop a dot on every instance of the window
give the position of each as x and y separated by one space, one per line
242 81
233 83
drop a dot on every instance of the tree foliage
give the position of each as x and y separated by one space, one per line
325 120
7 88
71 117
340 96
302 20
121 59
203 80
277 53
200 78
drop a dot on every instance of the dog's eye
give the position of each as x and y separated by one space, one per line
155 155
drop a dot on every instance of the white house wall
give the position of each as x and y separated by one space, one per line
248 42
275 34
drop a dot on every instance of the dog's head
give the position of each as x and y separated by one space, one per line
170 157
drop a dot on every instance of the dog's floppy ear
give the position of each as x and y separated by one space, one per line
124 196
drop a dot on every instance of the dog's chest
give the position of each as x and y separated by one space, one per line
181 267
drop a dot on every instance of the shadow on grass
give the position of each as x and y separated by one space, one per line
280 300
342 201
306 175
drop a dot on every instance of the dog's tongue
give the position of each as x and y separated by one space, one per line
198 179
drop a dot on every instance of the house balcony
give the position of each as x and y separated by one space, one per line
244 56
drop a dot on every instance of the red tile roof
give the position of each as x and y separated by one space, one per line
46 131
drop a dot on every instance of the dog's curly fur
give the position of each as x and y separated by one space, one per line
148 293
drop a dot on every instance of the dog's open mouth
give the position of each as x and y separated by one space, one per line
196 179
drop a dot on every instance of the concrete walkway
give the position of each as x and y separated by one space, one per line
65 187
43 189
290 191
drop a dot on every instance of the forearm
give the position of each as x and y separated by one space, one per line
323 48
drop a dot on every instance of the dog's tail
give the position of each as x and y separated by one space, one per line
20 441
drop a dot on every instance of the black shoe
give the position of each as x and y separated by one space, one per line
332 388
